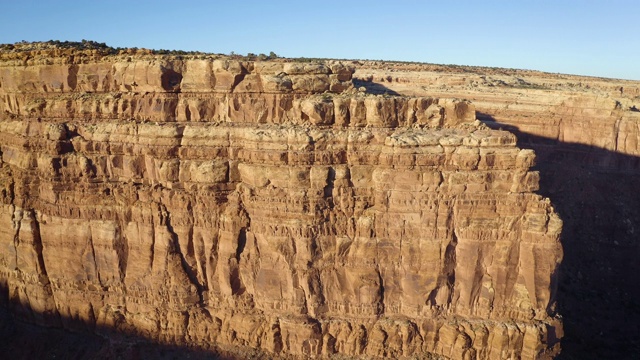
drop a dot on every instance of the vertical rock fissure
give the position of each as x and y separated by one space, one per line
478 273
381 307
95 261
183 261
328 189
17 224
187 112
242 242
43 276
235 280
153 243
450 258
121 247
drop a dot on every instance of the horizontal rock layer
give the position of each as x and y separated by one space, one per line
217 203
596 112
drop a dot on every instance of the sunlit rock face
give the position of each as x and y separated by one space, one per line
221 203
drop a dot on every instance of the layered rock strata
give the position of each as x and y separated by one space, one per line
224 203
571 109
585 133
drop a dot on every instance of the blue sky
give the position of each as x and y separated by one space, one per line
587 37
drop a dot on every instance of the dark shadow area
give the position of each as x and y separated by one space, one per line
595 192
22 340
374 88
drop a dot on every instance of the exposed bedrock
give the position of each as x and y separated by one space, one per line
585 134
221 203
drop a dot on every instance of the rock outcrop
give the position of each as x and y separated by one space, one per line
221 203
584 131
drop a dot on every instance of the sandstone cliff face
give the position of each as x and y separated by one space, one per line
224 203
585 134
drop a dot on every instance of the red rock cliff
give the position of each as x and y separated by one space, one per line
221 203
585 133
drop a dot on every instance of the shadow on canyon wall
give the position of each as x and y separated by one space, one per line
373 87
596 193
20 340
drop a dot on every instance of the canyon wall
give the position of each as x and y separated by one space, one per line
585 133
225 204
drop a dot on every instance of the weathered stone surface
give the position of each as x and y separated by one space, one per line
216 202
584 131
